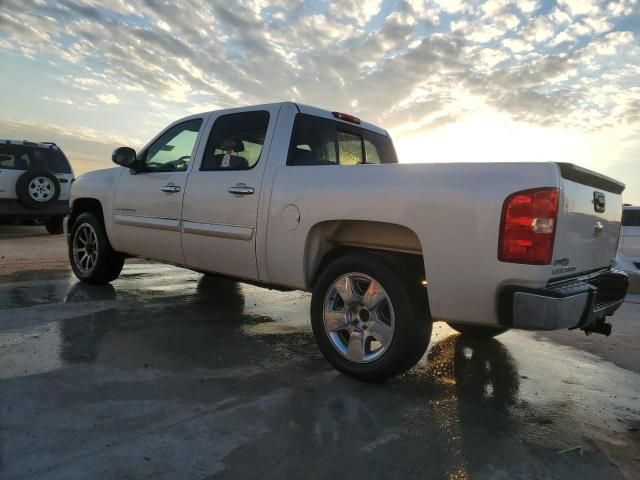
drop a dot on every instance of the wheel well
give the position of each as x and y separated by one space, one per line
82 205
328 241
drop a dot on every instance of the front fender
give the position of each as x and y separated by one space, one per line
99 185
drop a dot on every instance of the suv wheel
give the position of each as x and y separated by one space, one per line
370 321
37 188
90 254
54 225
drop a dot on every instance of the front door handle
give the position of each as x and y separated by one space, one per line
170 188
241 190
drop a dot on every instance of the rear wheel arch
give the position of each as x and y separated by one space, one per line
327 241
323 250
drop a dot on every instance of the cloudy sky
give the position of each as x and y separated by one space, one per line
496 80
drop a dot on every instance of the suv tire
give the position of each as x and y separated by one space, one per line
90 254
37 189
54 225
376 331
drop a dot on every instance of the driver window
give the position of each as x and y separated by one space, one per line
172 151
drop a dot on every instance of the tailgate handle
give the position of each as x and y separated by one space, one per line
599 202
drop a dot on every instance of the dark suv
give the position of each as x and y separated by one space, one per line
35 181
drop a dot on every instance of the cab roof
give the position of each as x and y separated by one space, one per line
319 112
309 110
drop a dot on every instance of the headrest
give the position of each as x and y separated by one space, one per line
233 144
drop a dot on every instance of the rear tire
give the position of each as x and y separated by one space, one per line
90 254
389 337
477 331
54 225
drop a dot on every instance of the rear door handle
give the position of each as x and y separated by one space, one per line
241 190
170 188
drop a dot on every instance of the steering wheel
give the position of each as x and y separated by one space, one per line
181 162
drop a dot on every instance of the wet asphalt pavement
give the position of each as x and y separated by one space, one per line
171 374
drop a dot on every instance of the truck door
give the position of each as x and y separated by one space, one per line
147 204
219 216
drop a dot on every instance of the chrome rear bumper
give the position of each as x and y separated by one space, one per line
576 303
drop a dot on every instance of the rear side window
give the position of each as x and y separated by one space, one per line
631 218
320 141
378 148
26 157
236 141
313 142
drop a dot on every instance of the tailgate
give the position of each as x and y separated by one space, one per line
588 225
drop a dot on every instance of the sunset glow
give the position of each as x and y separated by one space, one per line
499 80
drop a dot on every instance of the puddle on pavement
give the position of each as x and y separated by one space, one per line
200 339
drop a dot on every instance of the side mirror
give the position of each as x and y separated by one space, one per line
124 156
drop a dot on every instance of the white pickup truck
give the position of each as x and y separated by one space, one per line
294 197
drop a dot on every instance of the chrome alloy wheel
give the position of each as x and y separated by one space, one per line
358 317
41 189
85 247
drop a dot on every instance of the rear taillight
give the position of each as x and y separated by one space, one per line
528 226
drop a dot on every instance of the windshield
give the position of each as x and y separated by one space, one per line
27 157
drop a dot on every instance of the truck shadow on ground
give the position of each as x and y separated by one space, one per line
212 319
453 412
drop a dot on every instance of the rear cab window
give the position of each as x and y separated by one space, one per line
350 151
28 157
321 141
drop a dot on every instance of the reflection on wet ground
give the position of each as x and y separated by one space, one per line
170 374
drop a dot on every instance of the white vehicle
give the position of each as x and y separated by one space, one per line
291 196
35 182
629 244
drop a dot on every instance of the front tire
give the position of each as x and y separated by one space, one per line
370 321
54 225
90 254
477 331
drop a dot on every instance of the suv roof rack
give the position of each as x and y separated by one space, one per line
29 143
